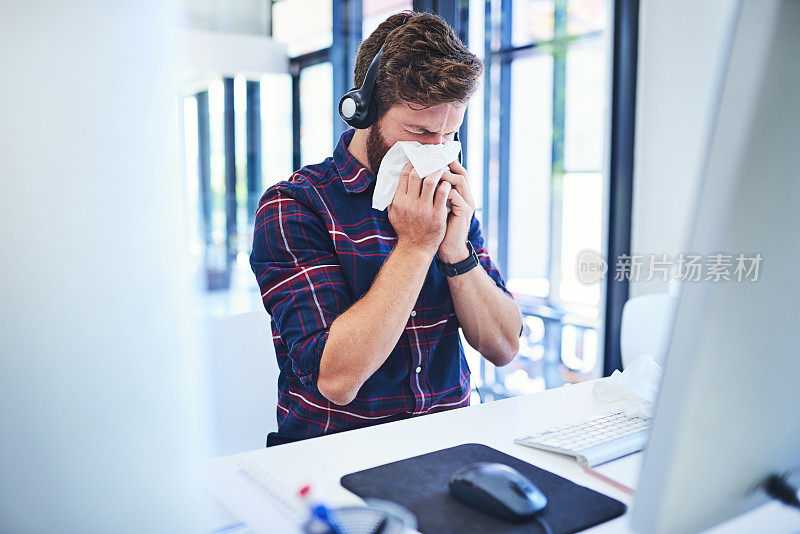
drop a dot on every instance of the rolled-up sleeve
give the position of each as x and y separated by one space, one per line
478 244
301 281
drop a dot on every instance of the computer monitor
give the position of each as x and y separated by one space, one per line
728 414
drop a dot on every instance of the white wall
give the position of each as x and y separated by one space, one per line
239 16
681 51
97 415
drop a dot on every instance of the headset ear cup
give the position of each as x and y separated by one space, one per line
350 106
357 107
353 111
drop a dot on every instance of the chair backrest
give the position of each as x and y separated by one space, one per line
240 384
645 327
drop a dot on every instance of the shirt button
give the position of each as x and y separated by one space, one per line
418 369
413 313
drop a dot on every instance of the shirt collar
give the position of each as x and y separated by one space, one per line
355 177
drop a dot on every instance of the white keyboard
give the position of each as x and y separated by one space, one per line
596 440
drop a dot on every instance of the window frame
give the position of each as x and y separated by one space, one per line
617 170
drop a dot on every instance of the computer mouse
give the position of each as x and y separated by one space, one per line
498 490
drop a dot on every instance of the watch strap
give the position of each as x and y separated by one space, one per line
463 266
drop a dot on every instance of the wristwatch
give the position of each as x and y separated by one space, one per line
454 269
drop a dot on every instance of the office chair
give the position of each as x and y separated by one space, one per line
645 327
240 384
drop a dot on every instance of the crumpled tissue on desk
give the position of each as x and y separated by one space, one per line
426 160
637 385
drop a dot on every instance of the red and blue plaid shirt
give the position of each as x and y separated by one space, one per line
317 247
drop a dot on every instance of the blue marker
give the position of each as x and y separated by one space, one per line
320 512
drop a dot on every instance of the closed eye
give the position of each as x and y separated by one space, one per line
425 132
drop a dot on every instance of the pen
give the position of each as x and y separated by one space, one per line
320 512
326 515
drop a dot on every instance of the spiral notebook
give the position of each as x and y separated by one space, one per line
257 498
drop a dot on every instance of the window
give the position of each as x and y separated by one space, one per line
543 185
530 139
316 112
303 25
216 259
276 120
533 21
376 11
238 140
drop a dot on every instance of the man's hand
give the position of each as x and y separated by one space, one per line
454 245
418 211
361 338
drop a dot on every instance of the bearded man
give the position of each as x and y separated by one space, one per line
366 305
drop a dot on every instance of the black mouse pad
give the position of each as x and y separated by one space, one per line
420 484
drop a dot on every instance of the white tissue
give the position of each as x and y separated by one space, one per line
426 159
637 385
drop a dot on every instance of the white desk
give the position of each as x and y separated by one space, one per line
323 461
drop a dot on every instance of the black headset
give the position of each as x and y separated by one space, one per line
357 107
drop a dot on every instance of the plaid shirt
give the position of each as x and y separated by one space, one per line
317 247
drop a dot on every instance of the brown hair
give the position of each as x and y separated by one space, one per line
423 62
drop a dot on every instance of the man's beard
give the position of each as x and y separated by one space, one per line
376 148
